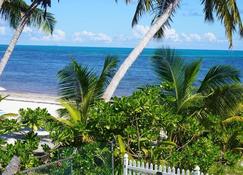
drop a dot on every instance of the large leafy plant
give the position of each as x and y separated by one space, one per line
220 92
79 86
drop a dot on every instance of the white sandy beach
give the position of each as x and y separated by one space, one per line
15 101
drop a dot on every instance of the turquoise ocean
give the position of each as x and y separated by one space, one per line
33 69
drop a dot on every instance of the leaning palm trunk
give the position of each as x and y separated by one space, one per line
136 52
11 45
16 36
1 3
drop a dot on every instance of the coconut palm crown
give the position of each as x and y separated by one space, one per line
220 92
19 15
79 86
13 11
225 11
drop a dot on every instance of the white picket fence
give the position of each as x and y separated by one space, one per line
132 167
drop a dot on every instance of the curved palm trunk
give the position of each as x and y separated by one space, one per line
136 52
1 3
16 36
12 45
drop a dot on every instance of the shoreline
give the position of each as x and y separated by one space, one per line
16 101
31 97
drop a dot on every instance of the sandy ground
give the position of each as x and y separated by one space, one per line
15 101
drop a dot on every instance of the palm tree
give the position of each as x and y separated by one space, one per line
1 3
226 11
19 15
43 3
220 92
79 87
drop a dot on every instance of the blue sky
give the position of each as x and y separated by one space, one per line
104 23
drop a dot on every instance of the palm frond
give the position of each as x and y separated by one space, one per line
233 119
80 85
41 20
143 6
7 115
219 76
13 11
191 101
225 101
44 4
75 81
159 7
3 97
191 72
208 10
74 114
107 73
227 12
169 68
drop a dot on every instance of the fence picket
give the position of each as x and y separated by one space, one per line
173 170
169 170
151 166
156 167
133 167
147 165
164 169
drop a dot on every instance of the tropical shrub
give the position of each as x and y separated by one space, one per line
79 87
220 92
146 129
175 123
24 147
21 148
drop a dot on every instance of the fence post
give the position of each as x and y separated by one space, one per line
112 157
196 171
125 166
13 166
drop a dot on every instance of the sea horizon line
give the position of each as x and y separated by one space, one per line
116 47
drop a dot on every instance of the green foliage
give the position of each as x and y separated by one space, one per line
23 149
79 87
8 126
170 124
92 159
148 129
219 93
13 11
33 119
226 11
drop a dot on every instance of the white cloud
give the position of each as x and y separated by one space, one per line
90 36
191 37
2 30
27 30
171 34
140 30
211 37
58 35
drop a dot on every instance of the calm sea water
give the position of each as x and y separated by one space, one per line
34 68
